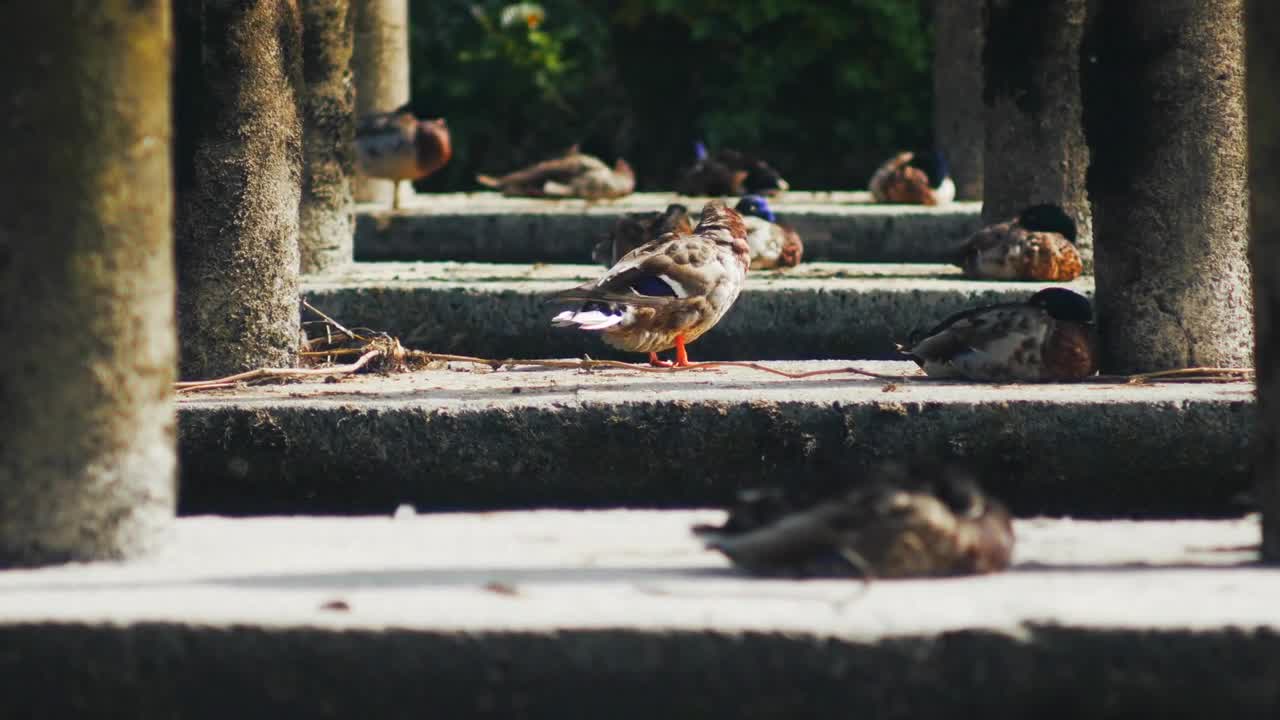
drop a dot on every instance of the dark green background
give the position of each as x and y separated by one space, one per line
823 90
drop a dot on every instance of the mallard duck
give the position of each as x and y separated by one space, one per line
1050 337
667 293
1036 245
891 528
772 245
635 229
905 178
398 146
574 174
729 172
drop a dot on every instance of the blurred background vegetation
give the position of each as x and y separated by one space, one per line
823 90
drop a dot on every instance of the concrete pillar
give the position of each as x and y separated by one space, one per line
87 454
381 69
1263 23
1164 115
1035 150
328 126
238 171
957 91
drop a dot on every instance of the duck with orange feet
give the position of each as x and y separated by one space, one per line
899 525
397 146
914 179
574 174
667 293
1038 244
1048 338
773 245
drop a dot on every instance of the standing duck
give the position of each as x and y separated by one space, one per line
772 245
1036 245
1048 338
905 179
398 146
897 528
635 229
729 172
572 175
667 293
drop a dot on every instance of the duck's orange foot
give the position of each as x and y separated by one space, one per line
654 361
682 355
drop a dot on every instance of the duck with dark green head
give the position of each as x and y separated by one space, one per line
773 245
1038 244
1048 338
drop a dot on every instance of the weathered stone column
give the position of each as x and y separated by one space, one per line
1164 115
1036 151
328 126
87 454
1263 23
238 172
381 68
957 91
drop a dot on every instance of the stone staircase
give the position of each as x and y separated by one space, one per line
611 612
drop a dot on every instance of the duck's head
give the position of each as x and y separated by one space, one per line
756 206
1048 218
762 179
1063 304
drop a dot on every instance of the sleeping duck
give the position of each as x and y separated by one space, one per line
895 527
572 175
398 146
1036 245
635 229
729 172
772 245
905 178
1048 338
667 293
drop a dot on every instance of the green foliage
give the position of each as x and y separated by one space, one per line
823 90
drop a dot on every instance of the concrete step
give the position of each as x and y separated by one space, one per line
462 437
486 227
817 310
622 615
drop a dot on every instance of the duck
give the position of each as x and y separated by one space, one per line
772 245
1048 338
896 526
397 146
667 293
1038 244
729 172
574 174
904 178
635 229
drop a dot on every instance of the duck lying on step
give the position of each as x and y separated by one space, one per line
572 175
397 146
635 229
1048 338
772 245
729 172
906 178
895 527
667 293
1038 244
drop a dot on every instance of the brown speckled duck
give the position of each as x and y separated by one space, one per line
1036 245
896 527
667 293
1048 338
397 146
905 178
773 245
635 229
572 175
